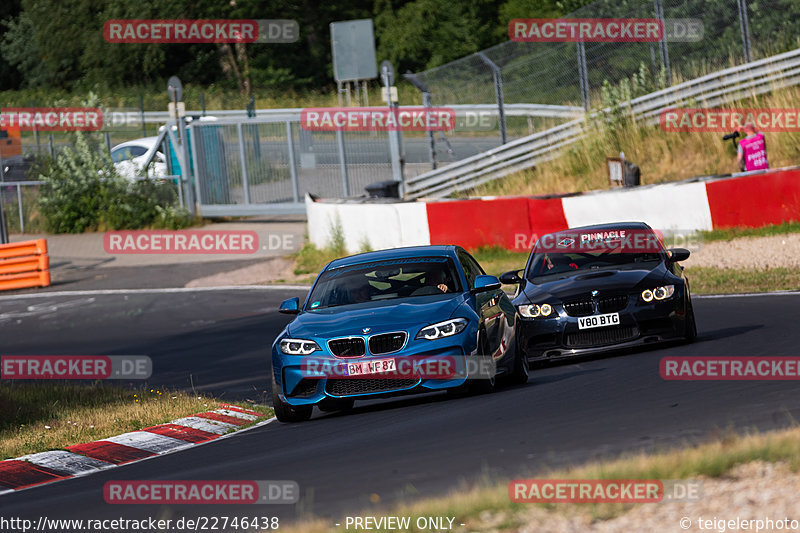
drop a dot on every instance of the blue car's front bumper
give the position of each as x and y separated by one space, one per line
300 386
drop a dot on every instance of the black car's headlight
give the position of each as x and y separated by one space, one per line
537 311
659 293
298 346
443 329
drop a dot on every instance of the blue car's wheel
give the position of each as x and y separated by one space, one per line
288 413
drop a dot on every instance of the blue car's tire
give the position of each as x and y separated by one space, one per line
288 413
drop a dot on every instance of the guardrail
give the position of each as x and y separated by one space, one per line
757 77
293 114
24 265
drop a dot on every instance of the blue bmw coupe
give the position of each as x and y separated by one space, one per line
389 322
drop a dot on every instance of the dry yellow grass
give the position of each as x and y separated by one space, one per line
471 505
36 417
662 156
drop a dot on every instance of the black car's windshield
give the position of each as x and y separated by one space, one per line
385 280
567 253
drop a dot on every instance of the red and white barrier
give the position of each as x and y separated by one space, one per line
82 459
514 223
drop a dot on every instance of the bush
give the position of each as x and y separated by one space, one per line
84 192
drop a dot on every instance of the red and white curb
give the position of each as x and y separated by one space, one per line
83 459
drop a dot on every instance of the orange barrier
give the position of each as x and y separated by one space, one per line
24 264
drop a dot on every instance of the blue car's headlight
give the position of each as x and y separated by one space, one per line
298 346
442 329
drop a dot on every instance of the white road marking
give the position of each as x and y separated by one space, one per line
45 308
64 461
237 414
103 292
745 295
151 442
204 424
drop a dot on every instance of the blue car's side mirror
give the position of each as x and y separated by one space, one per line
486 283
290 306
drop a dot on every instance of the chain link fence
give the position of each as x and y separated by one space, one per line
568 73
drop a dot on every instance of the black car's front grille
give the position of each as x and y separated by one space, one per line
349 387
348 347
602 336
387 342
306 387
579 307
610 304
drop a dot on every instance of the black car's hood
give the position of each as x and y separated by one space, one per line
605 280
387 315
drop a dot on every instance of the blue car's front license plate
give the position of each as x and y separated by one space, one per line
365 368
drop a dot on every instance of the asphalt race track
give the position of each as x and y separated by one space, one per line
400 448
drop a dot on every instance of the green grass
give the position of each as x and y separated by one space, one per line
709 280
42 416
728 234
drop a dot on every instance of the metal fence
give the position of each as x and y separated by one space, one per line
735 32
757 77
266 165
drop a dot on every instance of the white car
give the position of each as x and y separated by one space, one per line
129 158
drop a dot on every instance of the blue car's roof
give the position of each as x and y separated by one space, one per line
394 253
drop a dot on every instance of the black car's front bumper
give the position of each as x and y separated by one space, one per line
640 323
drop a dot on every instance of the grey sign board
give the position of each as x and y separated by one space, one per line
353 46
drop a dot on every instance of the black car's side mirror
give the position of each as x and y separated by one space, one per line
678 254
290 306
511 277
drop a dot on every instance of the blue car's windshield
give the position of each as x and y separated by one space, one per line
385 280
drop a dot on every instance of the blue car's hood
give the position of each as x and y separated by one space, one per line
380 316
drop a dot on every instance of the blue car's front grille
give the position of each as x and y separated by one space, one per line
387 342
306 387
348 347
353 386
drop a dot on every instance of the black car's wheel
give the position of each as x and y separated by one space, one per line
329 405
288 413
690 328
519 374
